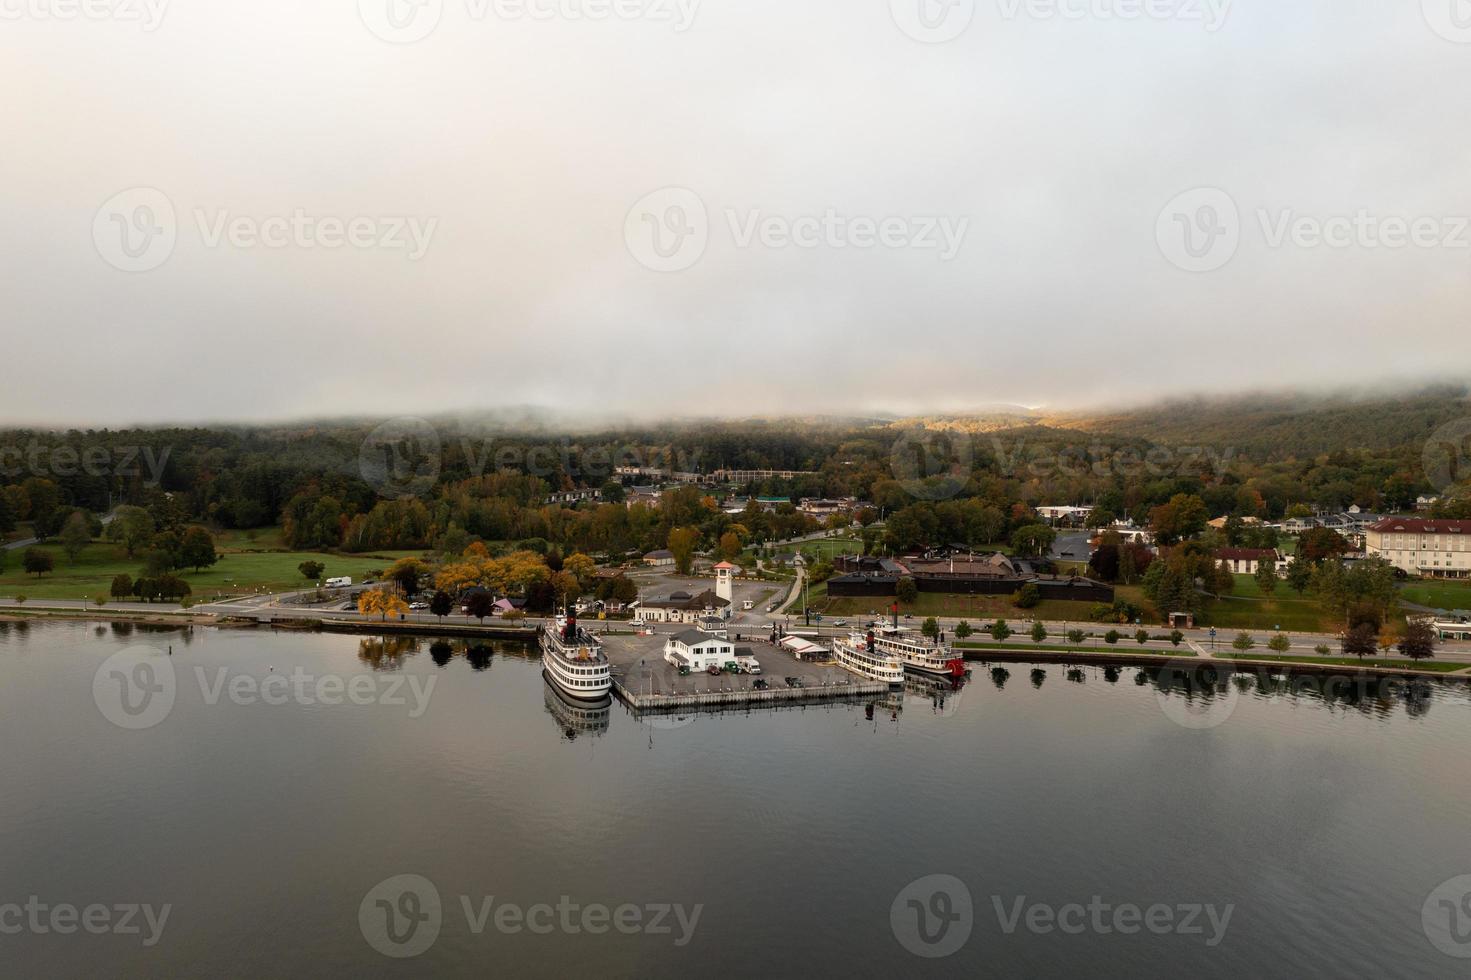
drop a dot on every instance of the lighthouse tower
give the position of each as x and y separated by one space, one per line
725 582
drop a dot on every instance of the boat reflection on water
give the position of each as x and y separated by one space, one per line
575 717
941 692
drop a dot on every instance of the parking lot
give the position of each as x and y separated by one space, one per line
638 664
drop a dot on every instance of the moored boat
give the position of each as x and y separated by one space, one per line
860 654
573 659
918 653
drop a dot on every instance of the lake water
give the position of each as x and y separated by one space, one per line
275 827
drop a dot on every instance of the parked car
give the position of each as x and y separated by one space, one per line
760 684
714 671
840 622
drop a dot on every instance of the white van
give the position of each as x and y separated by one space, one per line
339 583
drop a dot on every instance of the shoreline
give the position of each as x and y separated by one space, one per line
528 634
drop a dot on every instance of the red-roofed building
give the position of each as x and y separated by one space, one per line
1423 546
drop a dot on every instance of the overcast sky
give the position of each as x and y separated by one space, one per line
732 207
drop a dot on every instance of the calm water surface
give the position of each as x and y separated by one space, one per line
1324 825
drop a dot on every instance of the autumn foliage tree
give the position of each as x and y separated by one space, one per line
382 604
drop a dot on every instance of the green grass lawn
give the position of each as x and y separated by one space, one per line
828 548
975 609
1438 595
235 574
1439 667
1247 609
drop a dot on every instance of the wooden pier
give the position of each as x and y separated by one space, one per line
747 697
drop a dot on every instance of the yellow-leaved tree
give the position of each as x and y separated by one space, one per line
382 603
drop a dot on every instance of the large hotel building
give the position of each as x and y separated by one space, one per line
1431 548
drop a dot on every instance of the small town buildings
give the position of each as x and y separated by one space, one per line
648 496
758 476
815 507
659 559
1423 546
698 651
682 607
1128 532
714 625
575 496
1068 515
1246 561
725 581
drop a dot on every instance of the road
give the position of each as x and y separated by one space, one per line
281 606
27 542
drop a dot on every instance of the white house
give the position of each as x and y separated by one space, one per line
1246 561
698 651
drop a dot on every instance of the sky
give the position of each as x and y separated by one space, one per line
273 210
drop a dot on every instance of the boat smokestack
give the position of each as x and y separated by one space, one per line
870 641
895 609
570 630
